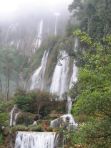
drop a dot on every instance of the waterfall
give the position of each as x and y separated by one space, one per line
72 81
59 83
11 29
57 122
71 119
62 120
57 14
69 105
76 44
74 75
38 39
13 115
37 80
40 31
35 140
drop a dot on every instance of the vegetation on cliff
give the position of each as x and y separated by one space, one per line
92 93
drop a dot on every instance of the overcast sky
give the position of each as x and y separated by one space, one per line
11 6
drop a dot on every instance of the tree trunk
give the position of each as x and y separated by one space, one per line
0 85
8 85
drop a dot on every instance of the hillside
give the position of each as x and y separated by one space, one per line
55 70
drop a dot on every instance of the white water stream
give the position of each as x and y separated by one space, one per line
62 120
35 140
59 83
72 81
40 31
37 80
59 86
13 115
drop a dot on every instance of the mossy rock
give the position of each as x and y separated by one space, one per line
19 128
36 128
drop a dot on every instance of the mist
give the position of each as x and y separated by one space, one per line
20 21
11 10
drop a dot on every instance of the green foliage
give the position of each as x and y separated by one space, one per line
23 102
25 118
93 98
1 138
36 128
32 101
5 108
19 128
78 136
12 65
94 16
4 119
37 102
84 37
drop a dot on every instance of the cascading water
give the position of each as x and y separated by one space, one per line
63 119
74 75
37 80
59 83
13 115
39 37
72 81
56 22
57 122
69 104
76 44
36 140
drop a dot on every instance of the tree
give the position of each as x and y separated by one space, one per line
94 16
92 108
12 64
33 101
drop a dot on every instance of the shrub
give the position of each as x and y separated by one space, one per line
39 103
1 138
34 101
37 128
6 106
25 118
19 128
4 119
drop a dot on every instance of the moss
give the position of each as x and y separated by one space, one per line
19 128
37 128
